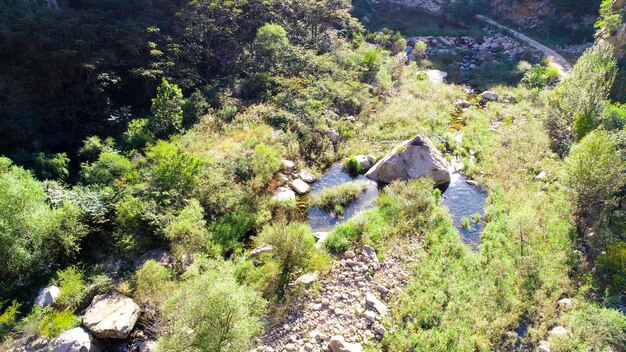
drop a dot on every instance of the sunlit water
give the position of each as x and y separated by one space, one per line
463 201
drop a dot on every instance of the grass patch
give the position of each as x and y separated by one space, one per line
336 199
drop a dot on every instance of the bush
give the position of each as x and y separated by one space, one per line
138 134
188 230
54 323
167 109
612 267
353 166
94 146
541 76
222 315
109 167
335 199
293 244
152 284
73 292
336 242
172 170
8 318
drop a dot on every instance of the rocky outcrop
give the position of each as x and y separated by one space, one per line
75 340
111 316
47 296
412 159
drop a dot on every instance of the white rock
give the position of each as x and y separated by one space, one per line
75 340
565 303
375 303
307 176
436 76
111 316
300 186
489 95
284 194
261 250
307 279
47 296
558 331
339 344
370 316
541 176
288 166
543 346
412 159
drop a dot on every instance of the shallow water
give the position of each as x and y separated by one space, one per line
464 200
321 220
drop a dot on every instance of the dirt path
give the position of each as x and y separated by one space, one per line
561 64
344 310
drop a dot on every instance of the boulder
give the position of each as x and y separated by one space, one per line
565 303
307 279
287 166
370 253
75 340
261 250
412 159
436 76
160 256
339 344
489 95
47 296
558 331
284 194
333 135
111 316
375 303
307 176
300 186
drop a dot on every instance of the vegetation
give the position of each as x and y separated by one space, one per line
134 126
336 199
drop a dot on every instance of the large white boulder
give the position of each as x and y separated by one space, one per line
47 296
436 76
284 194
111 316
412 159
75 340
300 186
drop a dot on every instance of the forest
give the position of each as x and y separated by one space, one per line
223 175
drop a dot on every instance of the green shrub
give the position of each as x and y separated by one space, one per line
138 134
335 199
541 76
72 286
51 166
94 146
188 230
54 323
152 284
336 242
293 244
353 166
223 315
233 227
109 167
167 108
172 170
8 318
612 266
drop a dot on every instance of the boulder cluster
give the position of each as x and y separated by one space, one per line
345 310
292 181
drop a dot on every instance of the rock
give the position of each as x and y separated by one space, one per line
284 194
339 344
371 158
565 303
261 250
558 331
463 104
300 186
543 346
349 255
307 279
47 296
364 162
489 95
75 340
350 118
540 176
412 159
307 176
287 166
437 76
111 316
320 236
370 316
160 256
370 253
372 301
333 135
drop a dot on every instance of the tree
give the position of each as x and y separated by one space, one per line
211 312
167 109
577 102
594 177
171 169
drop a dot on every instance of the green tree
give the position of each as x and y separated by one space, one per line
171 169
271 42
167 109
594 177
109 167
211 312
577 102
